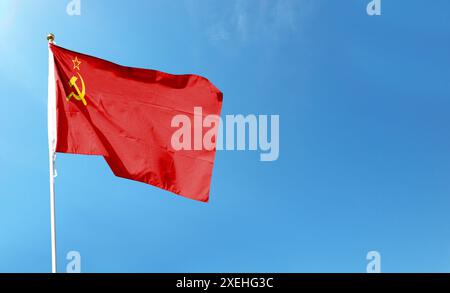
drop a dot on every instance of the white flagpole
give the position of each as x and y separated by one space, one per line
51 118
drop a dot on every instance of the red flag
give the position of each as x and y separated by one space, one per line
124 114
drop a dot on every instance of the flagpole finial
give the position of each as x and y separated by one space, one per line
50 37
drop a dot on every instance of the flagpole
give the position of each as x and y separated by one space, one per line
51 117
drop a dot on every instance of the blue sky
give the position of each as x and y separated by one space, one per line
364 138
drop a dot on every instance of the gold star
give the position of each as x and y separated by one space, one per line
76 63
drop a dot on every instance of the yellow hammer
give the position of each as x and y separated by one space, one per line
80 94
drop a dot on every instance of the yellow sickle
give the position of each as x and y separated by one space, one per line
80 95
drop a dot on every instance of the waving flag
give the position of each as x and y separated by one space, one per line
125 115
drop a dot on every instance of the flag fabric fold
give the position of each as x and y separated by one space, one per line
125 115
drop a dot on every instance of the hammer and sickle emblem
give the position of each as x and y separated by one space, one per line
79 95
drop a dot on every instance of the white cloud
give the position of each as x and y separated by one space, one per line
245 20
217 32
